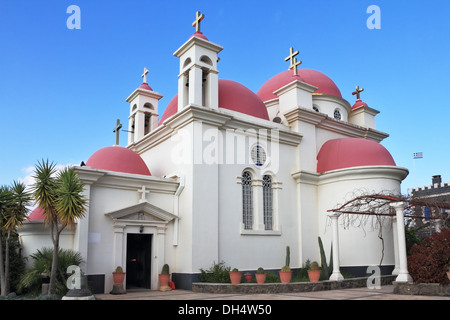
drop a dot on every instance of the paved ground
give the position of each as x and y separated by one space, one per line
385 293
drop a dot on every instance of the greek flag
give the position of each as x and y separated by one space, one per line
418 155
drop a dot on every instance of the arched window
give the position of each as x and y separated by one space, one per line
147 123
247 200
267 202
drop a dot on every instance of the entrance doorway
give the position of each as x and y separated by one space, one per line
139 260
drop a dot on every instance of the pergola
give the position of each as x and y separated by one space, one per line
382 205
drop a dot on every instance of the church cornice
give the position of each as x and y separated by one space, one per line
222 119
126 181
323 121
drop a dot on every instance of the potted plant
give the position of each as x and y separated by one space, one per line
448 273
248 276
285 272
164 278
235 276
314 272
118 276
260 275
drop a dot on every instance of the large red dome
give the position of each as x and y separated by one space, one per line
324 84
36 215
232 96
118 159
352 152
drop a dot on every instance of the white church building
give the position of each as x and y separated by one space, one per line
226 174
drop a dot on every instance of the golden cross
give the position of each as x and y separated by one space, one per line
198 17
144 75
357 92
293 60
116 130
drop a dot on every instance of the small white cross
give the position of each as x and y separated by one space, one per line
144 75
143 191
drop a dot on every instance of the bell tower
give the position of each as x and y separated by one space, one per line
143 111
198 78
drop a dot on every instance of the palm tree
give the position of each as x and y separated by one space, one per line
60 195
13 212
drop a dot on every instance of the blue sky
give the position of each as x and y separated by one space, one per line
61 90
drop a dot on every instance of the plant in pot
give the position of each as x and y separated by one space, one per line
448 273
248 276
260 275
235 276
118 276
314 272
286 273
164 278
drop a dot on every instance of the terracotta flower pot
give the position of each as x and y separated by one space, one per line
248 277
260 278
164 280
448 275
118 277
235 277
314 275
285 276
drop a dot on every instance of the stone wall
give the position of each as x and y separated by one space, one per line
424 289
251 288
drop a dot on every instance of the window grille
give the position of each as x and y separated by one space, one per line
267 202
247 200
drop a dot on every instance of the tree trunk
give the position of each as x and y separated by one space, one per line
7 286
2 268
54 271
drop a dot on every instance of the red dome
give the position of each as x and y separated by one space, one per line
232 96
324 84
145 85
118 159
199 34
36 215
359 104
352 152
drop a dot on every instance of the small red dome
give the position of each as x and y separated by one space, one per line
232 96
199 34
324 84
145 85
36 215
359 104
118 159
352 152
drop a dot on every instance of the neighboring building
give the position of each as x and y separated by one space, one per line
435 208
228 175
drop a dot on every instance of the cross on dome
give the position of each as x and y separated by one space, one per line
357 92
198 17
116 130
293 60
144 75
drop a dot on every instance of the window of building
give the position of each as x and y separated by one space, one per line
258 155
337 114
247 200
267 202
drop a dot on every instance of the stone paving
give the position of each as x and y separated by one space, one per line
384 293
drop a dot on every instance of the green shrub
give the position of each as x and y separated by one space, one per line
218 273
31 281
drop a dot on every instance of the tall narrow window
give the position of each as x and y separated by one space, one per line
247 200
267 202
147 123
